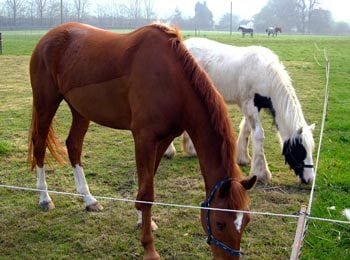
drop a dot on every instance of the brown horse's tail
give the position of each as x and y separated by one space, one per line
57 150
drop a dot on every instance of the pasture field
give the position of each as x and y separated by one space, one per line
69 231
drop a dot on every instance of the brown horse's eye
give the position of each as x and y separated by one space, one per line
220 226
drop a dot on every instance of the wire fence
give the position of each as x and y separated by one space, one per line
164 204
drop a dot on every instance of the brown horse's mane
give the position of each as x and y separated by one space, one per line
214 102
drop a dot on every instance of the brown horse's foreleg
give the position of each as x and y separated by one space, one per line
163 146
146 154
74 144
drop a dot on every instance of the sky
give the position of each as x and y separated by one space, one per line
245 9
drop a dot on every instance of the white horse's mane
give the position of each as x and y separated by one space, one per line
285 99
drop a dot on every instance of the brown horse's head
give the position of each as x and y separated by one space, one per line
224 228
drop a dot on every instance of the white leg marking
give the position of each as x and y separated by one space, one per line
170 151
42 185
81 185
139 218
243 157
259 164
238 221
139 221
187 145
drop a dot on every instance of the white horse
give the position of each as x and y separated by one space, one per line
254 78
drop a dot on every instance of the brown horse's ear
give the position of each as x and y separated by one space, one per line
249 183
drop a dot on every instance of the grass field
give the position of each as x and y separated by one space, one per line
70 232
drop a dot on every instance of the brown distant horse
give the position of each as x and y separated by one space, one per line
146 82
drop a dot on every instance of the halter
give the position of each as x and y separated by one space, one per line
296 164
211 239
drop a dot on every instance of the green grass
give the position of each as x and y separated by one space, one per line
108 156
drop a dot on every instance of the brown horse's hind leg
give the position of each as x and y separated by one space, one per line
44 109
74 144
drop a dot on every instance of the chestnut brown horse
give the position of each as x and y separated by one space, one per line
146 82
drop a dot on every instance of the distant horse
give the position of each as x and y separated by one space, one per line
146 82
253 78
273 31
246 30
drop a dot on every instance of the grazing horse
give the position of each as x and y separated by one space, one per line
273 31
146 82
253 78
278 30
246 30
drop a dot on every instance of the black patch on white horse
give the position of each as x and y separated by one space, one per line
295 154
265 102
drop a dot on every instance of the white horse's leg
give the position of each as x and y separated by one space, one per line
45 201
259 165
91 203
187 145
170 151
139 221
243 157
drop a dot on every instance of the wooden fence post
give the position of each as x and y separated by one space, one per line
299 234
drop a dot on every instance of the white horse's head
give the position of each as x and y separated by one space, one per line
298 153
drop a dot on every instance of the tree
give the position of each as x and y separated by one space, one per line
80 8
133 9
176 18
203 16
305 9
40 6
320 21
15 7
225 22
148 6
53 12
281 13
341 28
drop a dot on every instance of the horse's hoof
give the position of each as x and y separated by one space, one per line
244 160
95 207
153 225
169 156
264 178
46 205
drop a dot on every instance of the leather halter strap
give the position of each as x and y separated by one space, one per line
296 164
211 239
